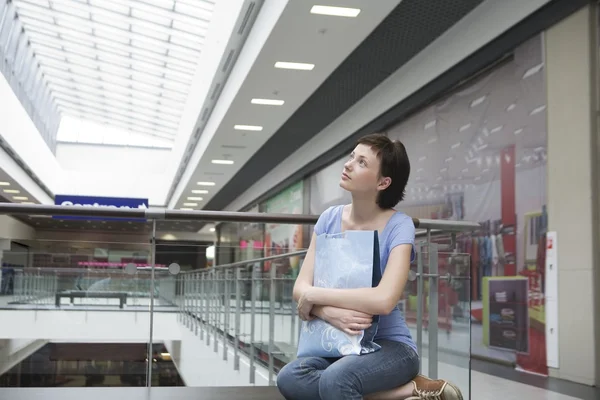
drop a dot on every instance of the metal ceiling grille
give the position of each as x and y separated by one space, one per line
128 64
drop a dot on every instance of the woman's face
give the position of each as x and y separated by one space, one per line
361 172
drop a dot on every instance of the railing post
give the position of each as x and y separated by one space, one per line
207 291
420 287
202 311
433 311
226 303
152 280
196 305
216 296
252 322
238 310
272 290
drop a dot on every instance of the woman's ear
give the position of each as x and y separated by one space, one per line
384 183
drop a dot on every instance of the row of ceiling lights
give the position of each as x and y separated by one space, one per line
15 193
192 201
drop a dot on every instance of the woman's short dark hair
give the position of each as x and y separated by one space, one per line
394 165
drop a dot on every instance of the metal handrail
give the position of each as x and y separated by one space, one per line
247 262
201 215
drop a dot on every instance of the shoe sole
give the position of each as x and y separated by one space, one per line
456 389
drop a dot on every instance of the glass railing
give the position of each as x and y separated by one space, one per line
197 321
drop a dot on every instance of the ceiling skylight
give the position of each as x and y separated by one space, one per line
127 64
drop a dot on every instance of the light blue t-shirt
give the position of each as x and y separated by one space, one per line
400 229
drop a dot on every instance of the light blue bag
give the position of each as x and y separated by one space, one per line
348 260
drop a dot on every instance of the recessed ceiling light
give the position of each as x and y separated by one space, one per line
254 128
294 65
222 162
538 110
267 102
20 198
430 124
212 229
478 101
464 127
13 191
205 183
335 11
195 198
186 209
200 191
4 184
190 204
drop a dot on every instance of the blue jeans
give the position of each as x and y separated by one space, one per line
350 377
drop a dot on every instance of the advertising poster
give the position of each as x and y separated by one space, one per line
506 313
284 238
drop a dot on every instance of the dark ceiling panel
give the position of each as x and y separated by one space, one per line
407 30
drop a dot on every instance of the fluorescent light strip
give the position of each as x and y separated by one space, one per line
12 191
4 184
190 204
205 183
335 11
254 128
20 198
200 191
195 198
267 102
294 65
222 162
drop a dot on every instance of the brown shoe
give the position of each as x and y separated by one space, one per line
434 389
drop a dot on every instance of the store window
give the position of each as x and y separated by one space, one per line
285 238
479 154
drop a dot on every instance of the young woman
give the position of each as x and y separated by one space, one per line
376 175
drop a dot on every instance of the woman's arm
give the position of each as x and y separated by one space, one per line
304 281
379 300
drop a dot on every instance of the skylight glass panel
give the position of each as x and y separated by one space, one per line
127 64
151 46
188 9
112 52
185 56
65 8
112 35
166 4
196 29
162 35
113 5
120 23
164 20
33 15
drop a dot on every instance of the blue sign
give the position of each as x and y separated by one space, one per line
99 202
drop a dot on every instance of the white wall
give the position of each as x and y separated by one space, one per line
81 326
113 171
571 55
11 228
18 130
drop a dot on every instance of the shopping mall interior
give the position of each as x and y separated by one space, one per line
163 164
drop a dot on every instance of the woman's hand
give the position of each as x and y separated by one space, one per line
348 321
305 307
